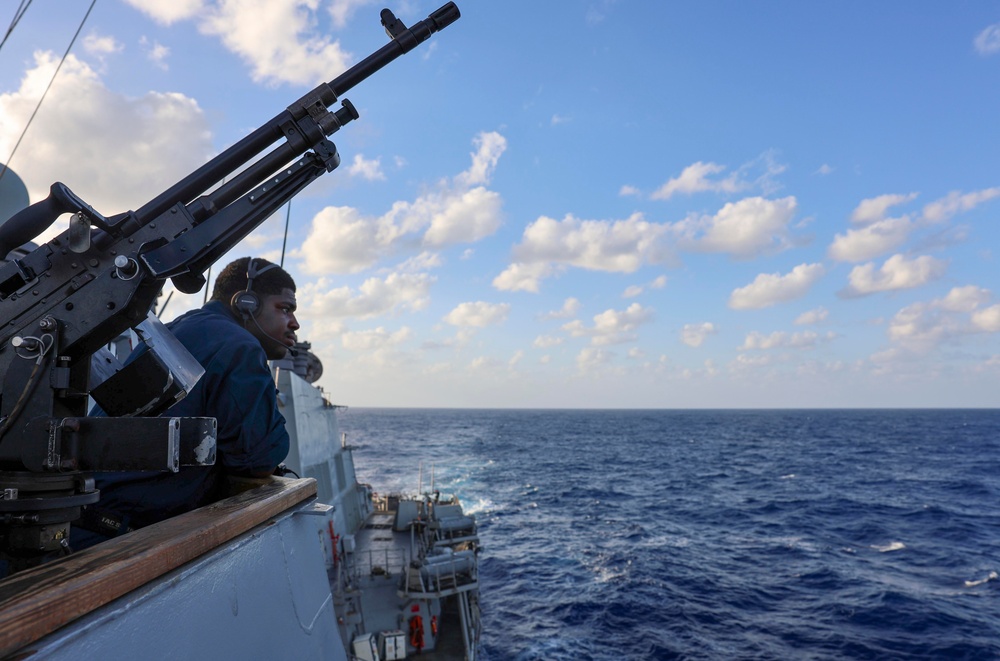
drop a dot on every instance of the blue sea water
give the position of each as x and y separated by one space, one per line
826 534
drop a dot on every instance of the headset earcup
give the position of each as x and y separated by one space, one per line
246 303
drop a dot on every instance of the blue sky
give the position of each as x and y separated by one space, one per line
578 204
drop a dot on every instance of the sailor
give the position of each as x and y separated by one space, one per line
249 320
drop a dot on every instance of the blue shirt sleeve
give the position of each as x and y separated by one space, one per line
237 390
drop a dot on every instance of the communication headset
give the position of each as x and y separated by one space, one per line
246 302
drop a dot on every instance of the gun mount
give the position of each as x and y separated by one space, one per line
62 303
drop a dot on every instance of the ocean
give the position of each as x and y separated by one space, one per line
779 534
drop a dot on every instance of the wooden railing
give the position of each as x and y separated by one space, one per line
39 601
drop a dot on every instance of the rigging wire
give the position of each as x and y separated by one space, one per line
284 241
18 13
3 171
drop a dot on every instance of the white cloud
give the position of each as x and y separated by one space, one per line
369 169
169 11
612 326
859 245
963 299
628 190
156 52
659 283
374 297
547 244
874 209
769 289
812 317
694 335
956 202
102 45
371 340
987 42
278 40
478 314
988 320
921 327
342 240
896 273
98 140
591 358
824 169
523 277
782 340
747 228
632 291
546 342
695 179
569 308
341 10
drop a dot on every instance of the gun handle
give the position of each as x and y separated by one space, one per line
28 223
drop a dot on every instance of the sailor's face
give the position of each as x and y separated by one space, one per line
276 323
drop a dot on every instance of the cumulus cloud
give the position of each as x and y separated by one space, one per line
859 245
102 45
169 11
747 228
698 177
569 308
341 10
956 202
612 326
874 209
782 340
921 327
281 42
694 335
635 290
343 240
812 317
478 314
987 42
695 179
896 273
988 320
109 168
369 169
524 277
880 234
547 245
374 339
769 289
591 358
375 296
546 342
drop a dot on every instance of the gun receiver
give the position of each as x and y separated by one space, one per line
63 302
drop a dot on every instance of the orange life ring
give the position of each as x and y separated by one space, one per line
417 632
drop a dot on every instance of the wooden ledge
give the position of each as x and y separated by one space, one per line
38 601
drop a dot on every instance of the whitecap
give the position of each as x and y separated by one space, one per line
891 546
991 577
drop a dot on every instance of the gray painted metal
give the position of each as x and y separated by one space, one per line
265 595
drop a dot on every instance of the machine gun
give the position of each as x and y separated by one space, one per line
64 302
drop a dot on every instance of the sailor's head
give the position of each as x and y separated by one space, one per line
262 295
